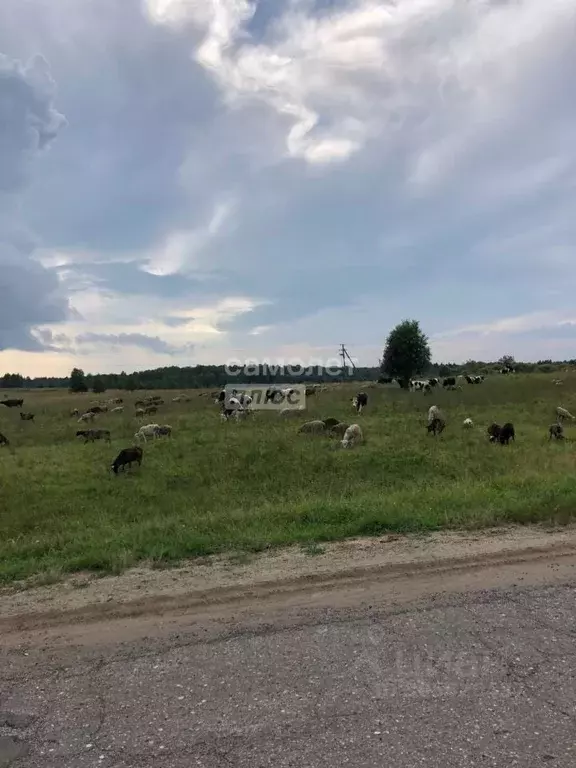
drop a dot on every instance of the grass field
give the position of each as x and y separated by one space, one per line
249 486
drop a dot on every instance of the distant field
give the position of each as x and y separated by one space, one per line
249 486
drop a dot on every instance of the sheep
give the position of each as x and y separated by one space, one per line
556 431
139 412
164 429
150 430
26 416
150 409
360 401
562 414
436 426
468 423
506 434
115 401
352 437
338 430
118 409
88 416
312 428
126 457
434 413
287 413
331 422
74 412
90 435
4 440
98 409
12 403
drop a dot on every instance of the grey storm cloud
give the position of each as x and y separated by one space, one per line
30 295
153 343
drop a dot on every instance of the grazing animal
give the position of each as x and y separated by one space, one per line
436 426
139 404
150 430
150 409
118 409
352 437
563 415
4 440
287 413
90 435
556 431
331 422
494 432
88 416
315 427
139 412
506 434
12 403
449 382
230 408
338 430
468 423
164 430
385 380
434 413
115 401
26 416
98 409
126 457
433 382
360 401
74 412
418 385
474 379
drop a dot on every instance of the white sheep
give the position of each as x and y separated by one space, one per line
87 417
150 430
434 413
562 414
118 409
353 436
468 423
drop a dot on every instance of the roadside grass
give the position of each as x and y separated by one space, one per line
243 488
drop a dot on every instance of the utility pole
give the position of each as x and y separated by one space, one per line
345 356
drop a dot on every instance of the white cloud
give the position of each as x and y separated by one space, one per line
178 252
443 68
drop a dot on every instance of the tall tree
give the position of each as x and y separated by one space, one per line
98 385
406 353
78 381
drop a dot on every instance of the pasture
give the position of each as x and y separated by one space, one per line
248 486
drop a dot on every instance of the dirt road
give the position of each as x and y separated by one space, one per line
451 650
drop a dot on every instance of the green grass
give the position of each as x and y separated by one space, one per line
247 487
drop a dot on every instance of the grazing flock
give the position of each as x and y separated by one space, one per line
238 405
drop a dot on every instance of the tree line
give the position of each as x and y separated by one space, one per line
406 354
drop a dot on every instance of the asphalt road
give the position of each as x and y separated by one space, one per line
474 678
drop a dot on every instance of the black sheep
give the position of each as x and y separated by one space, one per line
126 457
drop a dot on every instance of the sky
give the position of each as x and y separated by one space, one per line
199 181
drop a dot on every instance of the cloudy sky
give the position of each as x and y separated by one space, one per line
189 181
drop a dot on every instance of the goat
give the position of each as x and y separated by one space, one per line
126 457
507 433
353 436
556 431
436 426
12 403
26 416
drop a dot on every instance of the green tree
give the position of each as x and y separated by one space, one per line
406 353
507 361
78 381
98 385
